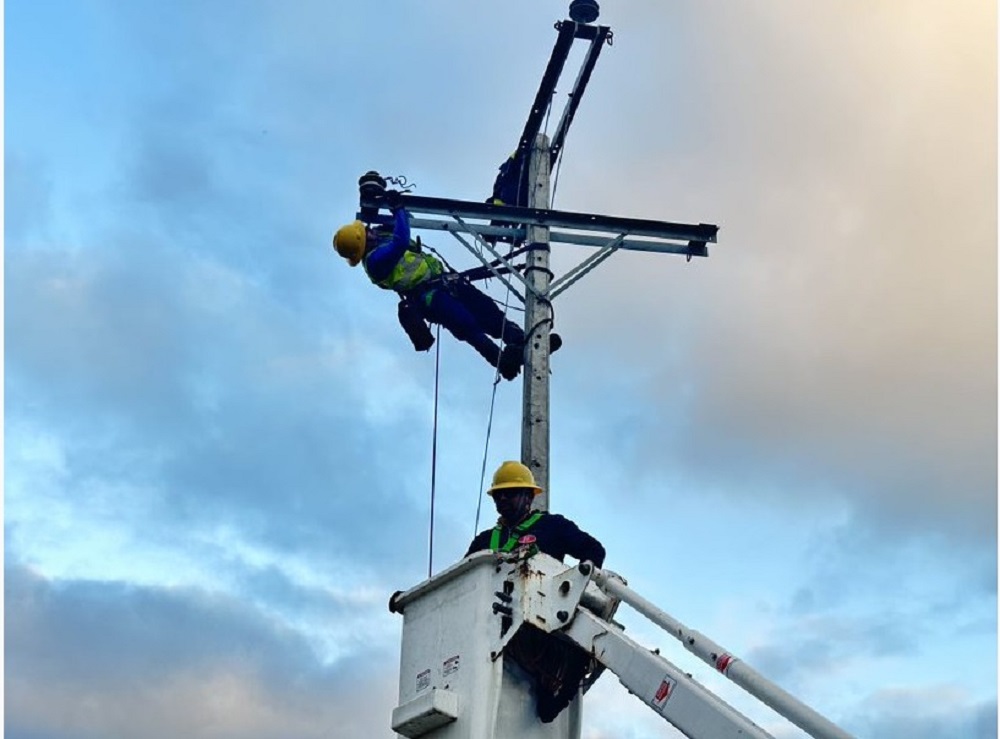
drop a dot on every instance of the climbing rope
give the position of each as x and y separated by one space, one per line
489 424
434 443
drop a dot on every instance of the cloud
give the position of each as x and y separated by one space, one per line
108 659
841 339
937 711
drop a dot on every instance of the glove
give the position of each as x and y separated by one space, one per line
392 200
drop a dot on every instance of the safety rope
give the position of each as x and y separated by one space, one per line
434 444
486 451
489 423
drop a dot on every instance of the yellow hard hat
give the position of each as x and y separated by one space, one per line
349 241
513 475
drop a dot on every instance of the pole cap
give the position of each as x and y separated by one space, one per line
584 11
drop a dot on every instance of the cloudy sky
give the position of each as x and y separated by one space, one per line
218 440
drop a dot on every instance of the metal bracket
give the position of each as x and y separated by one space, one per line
550 601
585 266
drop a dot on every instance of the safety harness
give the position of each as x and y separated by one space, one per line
515 535
412 270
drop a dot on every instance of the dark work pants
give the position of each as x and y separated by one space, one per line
472 316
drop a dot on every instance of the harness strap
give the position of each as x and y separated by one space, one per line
515 535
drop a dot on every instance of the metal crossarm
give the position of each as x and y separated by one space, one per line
701 233
517 234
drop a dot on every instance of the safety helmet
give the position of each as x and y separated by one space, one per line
513 475
349 241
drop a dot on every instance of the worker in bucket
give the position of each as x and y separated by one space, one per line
430 293
557 667
513 490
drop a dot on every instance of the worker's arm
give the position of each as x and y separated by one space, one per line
382 260
480 542
576 542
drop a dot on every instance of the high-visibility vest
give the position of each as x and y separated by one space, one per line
411 269
520 530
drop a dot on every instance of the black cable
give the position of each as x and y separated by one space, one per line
434 443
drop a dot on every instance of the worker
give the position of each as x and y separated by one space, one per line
509 188
558 668
429 293
513 490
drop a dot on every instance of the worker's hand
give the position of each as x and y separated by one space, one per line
392 200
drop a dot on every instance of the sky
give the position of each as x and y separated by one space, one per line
218 441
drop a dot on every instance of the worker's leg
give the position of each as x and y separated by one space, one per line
488 314
448 311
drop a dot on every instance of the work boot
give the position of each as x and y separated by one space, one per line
511 359
555 341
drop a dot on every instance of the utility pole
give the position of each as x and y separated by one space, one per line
538 317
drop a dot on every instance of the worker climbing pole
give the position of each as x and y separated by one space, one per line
429 290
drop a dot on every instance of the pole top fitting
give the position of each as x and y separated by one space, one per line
584 11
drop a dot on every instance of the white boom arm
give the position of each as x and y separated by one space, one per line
665 688
736 670
659 684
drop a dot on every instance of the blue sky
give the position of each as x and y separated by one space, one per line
218 441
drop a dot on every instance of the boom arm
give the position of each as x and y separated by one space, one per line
579 599
661 685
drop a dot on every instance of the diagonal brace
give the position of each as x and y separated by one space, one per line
585 266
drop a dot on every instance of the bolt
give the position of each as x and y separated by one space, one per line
563 616
565 587
584 568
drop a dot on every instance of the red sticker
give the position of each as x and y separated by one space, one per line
723 661
663 693
527 539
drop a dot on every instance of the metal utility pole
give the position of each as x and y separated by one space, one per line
537 327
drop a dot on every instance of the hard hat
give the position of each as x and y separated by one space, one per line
513 475
349 241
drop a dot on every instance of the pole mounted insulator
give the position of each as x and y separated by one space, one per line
371 185
584 11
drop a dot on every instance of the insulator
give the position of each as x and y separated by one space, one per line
584 11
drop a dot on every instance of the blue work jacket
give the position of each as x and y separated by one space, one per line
393 265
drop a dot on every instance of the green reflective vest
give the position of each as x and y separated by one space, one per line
411 269
520 530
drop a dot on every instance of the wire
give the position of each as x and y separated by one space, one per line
555 180
434 444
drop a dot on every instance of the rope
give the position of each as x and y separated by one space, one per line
486 451
489 424
434 444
